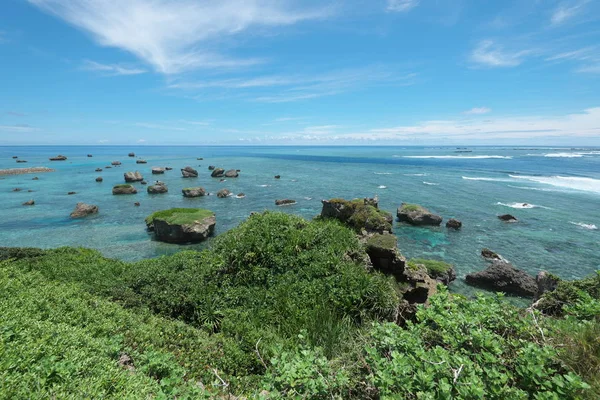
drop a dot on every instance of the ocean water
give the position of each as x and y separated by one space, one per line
554 192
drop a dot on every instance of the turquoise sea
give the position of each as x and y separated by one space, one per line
558 227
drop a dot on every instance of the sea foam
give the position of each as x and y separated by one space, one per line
460 157
586 226
566 182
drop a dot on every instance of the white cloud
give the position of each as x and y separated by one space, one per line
492 55
158 126
103 141
176 35
584 54
401 5
589 69
19 128
478 111
566 11
142 141
111 69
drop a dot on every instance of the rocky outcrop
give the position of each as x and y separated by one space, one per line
124 189
133 176
189 172
546 282
99 179
158 188
141 161
143 182
168 168
137 204
240 195
89 155
507 218
223 193
98 169
182 225
502 276
21 161
58 158
211 167
158 170
35 178
218 173
359 214
83 210
194 192
285 202
232 173
453 224
29 203
71 193
417 215
131 155
490 255
438 270
277 176
385 257
19 171
115 163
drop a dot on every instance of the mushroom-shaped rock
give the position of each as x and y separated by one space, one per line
158 170
98 169
181 225
141 161
218 173
359 214
453 224
131 155
507 218
158 188
115 163
502 276
59 157
108 167
193 192
29 203
285 202
223 193
416 215
232 173
189 172
99 179
124 189
133 176
83 210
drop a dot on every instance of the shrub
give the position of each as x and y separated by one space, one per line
570 293
435 268
179 215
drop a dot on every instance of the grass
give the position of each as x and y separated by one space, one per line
384 241
123 185
434 267
180 216
411 207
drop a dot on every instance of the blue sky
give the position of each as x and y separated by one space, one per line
349 72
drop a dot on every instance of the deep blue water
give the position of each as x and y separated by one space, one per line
558 233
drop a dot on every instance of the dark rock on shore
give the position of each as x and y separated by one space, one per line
99 179
194 192
502 276
158 170
507 218
158 188
223 193
438 270
29 203
211 167
124 189
359 214
232 173
133 176
453 224
189 172
181 225
285 202
417 215
58 158
83 210
218 173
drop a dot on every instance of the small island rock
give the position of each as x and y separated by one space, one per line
158 188
189 172
232 173
124 189
58 158
83 210
285 202
133 176
218 173
193 192
223 193
181 225
453 224
29 203
99 179
502 276
417 215
507 218
158 170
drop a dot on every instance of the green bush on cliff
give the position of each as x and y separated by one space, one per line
434 267
406 207
570 293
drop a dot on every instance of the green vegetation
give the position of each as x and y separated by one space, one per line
406 207
279 307
123 185
179 216
358 215
434 267
385 241
570 293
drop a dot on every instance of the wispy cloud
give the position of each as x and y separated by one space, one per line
490 54
150 125
176 36
478 111
589 69
18 128
15 114
111 69
401 5
566 11
584 54
197 123
141 141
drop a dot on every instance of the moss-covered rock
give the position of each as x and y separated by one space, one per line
181 225
359 214
436 269
415 214
124 188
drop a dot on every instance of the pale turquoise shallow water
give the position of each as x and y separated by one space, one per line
557 234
